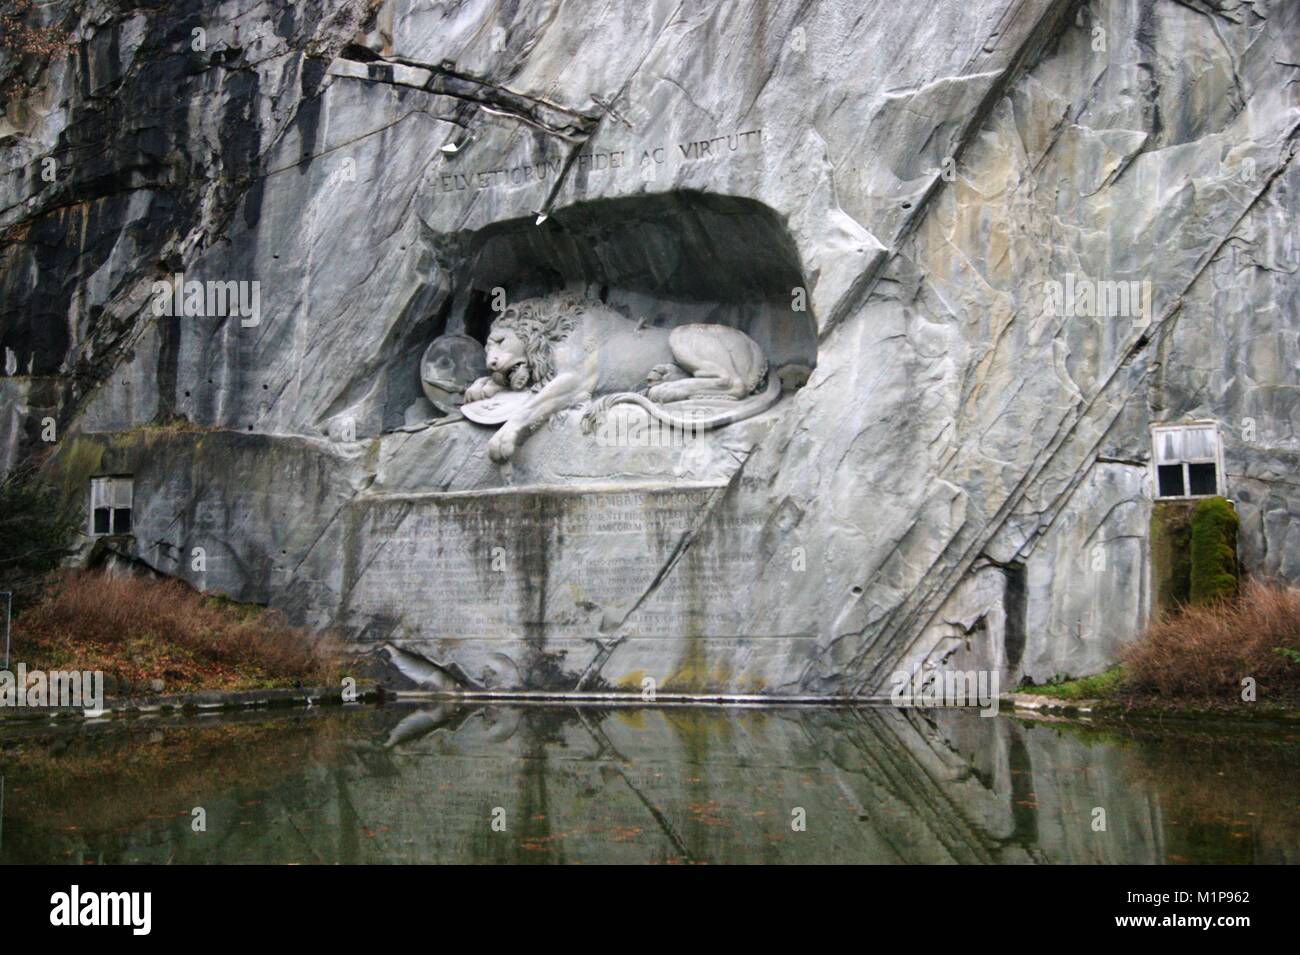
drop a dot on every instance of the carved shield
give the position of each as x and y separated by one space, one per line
451 364
498 409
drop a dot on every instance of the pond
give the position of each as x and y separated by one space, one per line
434 782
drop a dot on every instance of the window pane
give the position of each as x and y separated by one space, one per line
122 520
101 520
1171 480
122 492
1169 446
1198 444
1202 479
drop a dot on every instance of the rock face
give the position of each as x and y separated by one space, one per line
983 252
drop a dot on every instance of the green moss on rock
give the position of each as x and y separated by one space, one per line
1213 549
73 464
1171 554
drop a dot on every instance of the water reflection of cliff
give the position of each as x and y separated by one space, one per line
668 785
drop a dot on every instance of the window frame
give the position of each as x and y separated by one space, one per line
1220 485
103 496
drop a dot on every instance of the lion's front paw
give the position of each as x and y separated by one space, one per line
502 446
483 388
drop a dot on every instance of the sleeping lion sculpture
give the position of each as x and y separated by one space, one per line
562 351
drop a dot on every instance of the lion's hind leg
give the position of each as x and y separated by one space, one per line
723 363
709 382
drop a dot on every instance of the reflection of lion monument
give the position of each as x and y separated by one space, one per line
561 351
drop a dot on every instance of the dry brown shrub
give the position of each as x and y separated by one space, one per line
1206 651
195 632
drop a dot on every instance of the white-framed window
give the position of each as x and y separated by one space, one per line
1187 460
110 505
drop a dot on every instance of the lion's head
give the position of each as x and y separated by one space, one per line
519 344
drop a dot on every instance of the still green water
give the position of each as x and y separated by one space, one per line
424 783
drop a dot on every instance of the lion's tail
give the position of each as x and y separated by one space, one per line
742 409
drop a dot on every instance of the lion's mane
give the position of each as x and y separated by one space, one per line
539 323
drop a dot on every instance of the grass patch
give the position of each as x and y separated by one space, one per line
1100 686
139 630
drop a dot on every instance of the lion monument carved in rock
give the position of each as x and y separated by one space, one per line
562 351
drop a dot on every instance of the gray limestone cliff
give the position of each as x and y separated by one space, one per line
931 223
